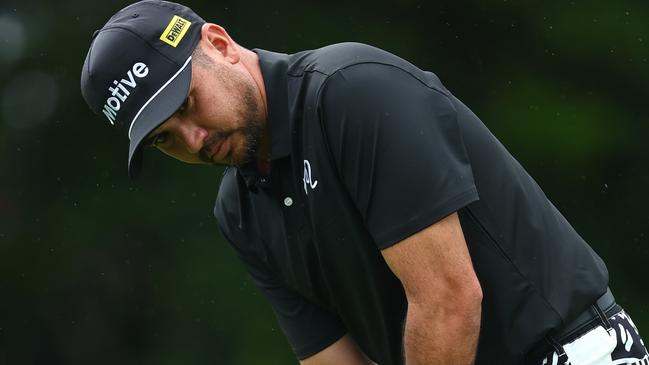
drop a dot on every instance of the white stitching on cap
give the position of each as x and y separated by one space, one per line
156 94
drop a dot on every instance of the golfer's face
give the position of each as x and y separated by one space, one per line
219 123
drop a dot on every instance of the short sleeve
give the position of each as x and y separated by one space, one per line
397 146
308 327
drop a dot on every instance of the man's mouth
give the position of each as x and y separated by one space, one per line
218 151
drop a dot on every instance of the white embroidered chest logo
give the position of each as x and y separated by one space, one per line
308 177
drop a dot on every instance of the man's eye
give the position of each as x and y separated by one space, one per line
160 139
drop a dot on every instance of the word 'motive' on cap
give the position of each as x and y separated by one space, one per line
138 69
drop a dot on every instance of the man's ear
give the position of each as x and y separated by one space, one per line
216 39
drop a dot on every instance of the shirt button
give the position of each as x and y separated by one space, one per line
288 201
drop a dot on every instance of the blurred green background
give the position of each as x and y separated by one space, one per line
97 269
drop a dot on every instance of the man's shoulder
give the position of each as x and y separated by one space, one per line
360 63
330 59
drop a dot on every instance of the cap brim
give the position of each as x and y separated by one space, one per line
161 106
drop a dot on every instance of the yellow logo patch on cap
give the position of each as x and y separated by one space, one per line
175 31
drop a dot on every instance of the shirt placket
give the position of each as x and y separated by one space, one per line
291 202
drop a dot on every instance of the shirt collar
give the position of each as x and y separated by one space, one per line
274 67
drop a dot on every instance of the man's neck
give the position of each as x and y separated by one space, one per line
251 63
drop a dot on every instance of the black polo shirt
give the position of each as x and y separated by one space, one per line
367 150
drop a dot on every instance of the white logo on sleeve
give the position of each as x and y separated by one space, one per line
308 177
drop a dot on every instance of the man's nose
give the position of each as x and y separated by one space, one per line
192 135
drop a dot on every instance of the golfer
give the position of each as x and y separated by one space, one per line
378 215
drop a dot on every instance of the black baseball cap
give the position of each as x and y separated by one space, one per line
138 68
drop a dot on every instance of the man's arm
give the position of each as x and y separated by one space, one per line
344 351
443 292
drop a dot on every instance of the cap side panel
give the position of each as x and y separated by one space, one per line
86 91
146 42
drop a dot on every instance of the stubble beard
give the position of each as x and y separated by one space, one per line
253 129
250 113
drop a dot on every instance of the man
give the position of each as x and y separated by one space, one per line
377 214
